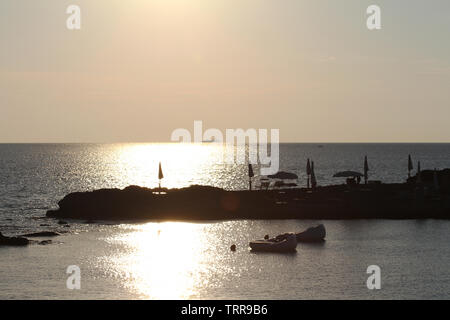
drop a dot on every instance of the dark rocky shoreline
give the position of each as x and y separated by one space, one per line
378 201
21 241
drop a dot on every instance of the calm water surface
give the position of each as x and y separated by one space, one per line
192 260
176 260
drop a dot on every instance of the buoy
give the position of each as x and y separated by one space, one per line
233 247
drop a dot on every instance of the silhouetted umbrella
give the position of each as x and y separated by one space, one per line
410 165
313 176
250 171
366 170
160 175
346 174
250 175
283 175
308 172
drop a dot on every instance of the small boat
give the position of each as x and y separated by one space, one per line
313 234
288 244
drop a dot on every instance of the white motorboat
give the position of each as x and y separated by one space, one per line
288 244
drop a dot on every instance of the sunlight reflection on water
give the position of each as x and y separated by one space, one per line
180 260
166 260
187 260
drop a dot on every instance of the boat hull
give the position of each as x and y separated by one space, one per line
287 245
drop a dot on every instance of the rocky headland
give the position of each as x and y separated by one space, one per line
410 200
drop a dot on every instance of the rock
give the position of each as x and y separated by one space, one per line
233 247
62 222
44 225
197 203
266 237
42 234
66 226
13 241
45 242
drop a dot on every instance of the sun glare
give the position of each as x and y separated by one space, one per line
181 163
164 260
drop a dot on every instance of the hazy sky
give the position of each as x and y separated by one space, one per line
139 69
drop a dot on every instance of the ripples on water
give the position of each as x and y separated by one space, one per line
180 260
192 260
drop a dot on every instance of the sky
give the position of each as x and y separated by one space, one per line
137 70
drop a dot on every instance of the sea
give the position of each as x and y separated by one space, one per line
193 260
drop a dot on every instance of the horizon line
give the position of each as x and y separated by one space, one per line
283 142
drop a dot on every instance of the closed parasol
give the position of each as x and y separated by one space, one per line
366 170
313 176
160 175
250 175
410 165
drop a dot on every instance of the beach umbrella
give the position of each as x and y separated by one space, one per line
410 165
250 171
308 172
283 175
160 175
347 174
366 170
313 176
250 175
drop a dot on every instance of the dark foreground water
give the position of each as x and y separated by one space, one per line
192 260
